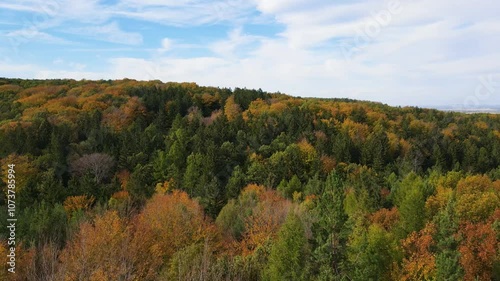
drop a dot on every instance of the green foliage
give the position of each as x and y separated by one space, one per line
42 223
364 177
288 253
371 252
448 257
329 230
287 189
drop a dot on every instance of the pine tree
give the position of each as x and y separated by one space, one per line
447 256
329 230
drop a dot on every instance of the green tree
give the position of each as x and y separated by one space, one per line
329 230
371 252
289 252
447 258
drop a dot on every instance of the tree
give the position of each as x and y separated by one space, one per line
447 256
329 229
287 190
265 219
99 165
477 198
371 252
167 224
420 262
289 252
478 250
197 175
236 183
231 109
99 251
410 200
140 185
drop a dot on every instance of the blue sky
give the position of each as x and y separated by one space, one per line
400 52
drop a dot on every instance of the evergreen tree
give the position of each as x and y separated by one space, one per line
447 256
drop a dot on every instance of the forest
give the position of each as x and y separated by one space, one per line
146 180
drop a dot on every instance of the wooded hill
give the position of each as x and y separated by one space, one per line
129 180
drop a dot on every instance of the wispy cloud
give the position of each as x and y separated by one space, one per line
428 49
25 35
109 32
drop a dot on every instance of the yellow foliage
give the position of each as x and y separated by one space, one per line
231 109
437 202
477 198
421 127
163 188
357 131
450 131
255 108
482 125
307 150
99 250
278 107
76 203
24 169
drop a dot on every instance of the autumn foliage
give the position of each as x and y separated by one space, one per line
145 180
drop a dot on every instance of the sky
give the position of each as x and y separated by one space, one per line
399 52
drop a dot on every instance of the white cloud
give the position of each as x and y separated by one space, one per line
21 36
236 41
184 12
109 32
430 52
166 45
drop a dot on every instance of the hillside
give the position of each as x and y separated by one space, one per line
130 180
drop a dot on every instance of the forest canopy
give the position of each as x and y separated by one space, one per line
145 180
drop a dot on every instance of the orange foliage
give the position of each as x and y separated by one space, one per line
374 116
34 100
420 262
10 88
76 203
478 250
119 118
405 147
208 99
386 218
120 195
123 176
393 142
100 251
49 90
167 224
327 164
265 221
450 131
